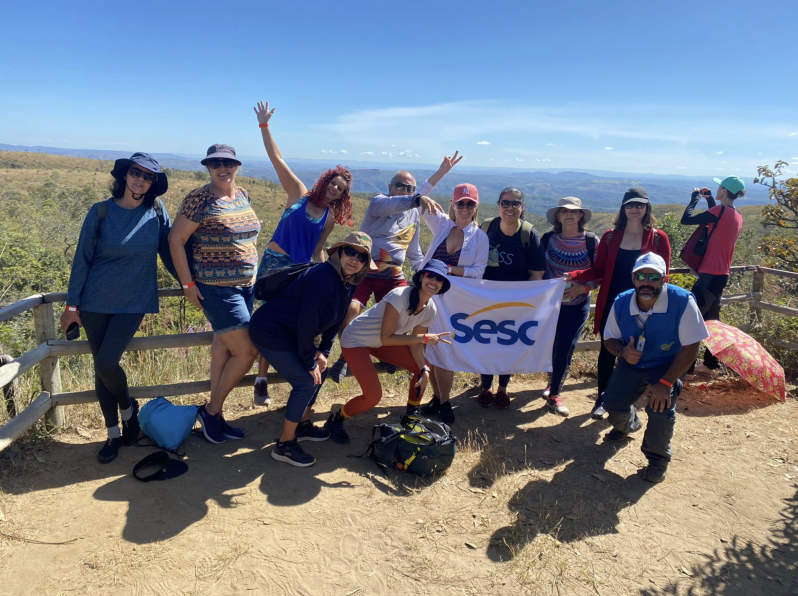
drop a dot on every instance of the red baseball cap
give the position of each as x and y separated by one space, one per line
465 191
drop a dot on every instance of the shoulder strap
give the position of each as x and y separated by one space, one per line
656 240
544 241
526 234
102 209
158 206
715 227
488 227
590 243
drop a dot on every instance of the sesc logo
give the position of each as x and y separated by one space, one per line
507 332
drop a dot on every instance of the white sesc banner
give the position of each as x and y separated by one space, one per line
497 327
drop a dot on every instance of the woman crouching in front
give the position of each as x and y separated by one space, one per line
395 331
283 330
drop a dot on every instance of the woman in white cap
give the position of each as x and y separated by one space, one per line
218 220
566 248
459 244
395 331
284 330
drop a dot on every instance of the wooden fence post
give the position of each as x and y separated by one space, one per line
49 370
757 286
10 391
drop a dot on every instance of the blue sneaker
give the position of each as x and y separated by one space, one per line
305 431
291 453
231 432
211 426
335 424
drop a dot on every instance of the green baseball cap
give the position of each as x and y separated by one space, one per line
733 184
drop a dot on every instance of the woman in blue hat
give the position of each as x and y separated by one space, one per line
218 221
116 251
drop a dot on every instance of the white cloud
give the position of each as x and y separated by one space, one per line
333 151
416 155
483 143
793 134
681 167
344 151
543 160
383 153
719 153
550 145
607 148
518 159
794 158
366 153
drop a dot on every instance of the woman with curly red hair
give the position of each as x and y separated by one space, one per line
306 223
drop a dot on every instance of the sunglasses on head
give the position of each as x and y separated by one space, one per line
434 276
137 173
513 204
353 252
465 204
635 205
650 276
215 164
403 186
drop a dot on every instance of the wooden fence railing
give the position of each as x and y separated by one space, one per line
51 401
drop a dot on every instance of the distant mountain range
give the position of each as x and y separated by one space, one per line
599 190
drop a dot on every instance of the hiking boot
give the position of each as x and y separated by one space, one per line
292 453
110 450
305 431
485 398
432 407
547 391
262 397
231 432
598 412
616 435
388 367
412 410
335 424
338 370
557 406
447 414
211 426
131 427
654 474
502 400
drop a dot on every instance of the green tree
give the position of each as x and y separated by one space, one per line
781 247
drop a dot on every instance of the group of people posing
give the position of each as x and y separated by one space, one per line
211 249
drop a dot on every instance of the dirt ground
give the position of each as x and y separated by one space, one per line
534 504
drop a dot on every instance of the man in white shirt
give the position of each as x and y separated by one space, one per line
655 329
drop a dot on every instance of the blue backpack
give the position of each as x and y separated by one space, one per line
167 424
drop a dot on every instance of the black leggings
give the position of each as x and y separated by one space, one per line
487 381
606 359
108 337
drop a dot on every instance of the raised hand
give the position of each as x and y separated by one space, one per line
263 113
449 162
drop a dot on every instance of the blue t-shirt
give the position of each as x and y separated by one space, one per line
117 272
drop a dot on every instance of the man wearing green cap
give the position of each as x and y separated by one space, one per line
726 223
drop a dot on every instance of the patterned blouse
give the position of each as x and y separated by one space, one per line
446 258
224 247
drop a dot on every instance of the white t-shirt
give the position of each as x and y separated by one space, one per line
364 331
691 326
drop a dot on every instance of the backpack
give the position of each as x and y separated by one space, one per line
275 281
102 209
488 227
696 246
167 424
417 445
590 242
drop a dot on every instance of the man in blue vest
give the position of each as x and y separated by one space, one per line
655 329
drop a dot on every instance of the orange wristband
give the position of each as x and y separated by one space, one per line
664 382
264 125
426 338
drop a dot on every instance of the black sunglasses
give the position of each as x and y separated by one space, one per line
513 204
137 173
215 164
466 204
635 205
353 252
402 185
434 275
651 276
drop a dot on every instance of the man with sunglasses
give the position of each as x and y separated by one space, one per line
393 222
655 330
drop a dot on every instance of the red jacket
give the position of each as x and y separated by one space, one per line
604 266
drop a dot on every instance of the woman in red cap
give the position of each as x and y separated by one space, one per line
459 244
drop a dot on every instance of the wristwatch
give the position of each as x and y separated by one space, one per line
424 369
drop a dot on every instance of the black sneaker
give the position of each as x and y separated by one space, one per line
262 397
412 410
335 424
110 450
447 414
654 474
388 367
211 426
291 453
598 412
131 427
305 431
338 371
432 407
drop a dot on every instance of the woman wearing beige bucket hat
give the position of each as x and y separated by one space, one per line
283 330
566 248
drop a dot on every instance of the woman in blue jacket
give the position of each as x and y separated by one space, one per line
283 330
114 283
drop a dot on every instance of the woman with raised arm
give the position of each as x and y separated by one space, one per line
305 224
395 331
459 244
634 234
218 220
114 283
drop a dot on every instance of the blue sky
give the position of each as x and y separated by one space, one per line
663 87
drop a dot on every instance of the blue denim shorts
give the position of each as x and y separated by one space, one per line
227 308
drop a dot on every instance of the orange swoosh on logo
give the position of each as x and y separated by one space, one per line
502 305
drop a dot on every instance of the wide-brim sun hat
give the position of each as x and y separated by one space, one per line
434 266
146 161
636 194
360 241
220 151
568 203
